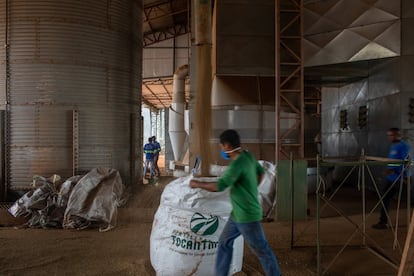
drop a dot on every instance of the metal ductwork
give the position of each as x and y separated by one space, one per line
176 127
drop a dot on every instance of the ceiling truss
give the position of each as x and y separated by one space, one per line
158 93
165 20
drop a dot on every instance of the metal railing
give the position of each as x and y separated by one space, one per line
363 164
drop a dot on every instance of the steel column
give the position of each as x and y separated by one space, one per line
289 78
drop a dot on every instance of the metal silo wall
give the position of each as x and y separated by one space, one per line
381 93
72 55
3 42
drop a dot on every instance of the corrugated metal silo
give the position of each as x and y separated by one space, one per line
73 87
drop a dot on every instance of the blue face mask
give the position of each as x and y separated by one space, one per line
225 155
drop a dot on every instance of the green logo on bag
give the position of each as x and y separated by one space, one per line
202 225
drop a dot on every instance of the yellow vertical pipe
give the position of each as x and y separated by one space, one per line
202 108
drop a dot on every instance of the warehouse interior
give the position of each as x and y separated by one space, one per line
312 86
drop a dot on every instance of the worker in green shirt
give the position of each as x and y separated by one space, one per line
242 177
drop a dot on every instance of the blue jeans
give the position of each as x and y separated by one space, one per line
388 197
253 234
150 163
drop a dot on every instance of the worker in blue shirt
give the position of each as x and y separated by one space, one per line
399 150
149 157
157 150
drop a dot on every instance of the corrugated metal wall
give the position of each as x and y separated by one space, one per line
163 58
71 55
3 64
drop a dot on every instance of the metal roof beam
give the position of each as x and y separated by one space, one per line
166 33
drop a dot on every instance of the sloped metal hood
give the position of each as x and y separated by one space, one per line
338 31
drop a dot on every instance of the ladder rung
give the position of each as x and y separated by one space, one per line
290 11
291 37
290 63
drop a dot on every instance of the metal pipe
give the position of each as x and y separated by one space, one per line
362 168
176 127
202 110
292 191
318 219
396 243
202 15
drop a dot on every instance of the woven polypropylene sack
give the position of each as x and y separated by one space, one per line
186 230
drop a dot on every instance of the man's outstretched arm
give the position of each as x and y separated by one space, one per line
209 186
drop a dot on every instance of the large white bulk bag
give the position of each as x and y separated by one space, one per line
267 188
186 230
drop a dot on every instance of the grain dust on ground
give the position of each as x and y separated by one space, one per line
125 250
